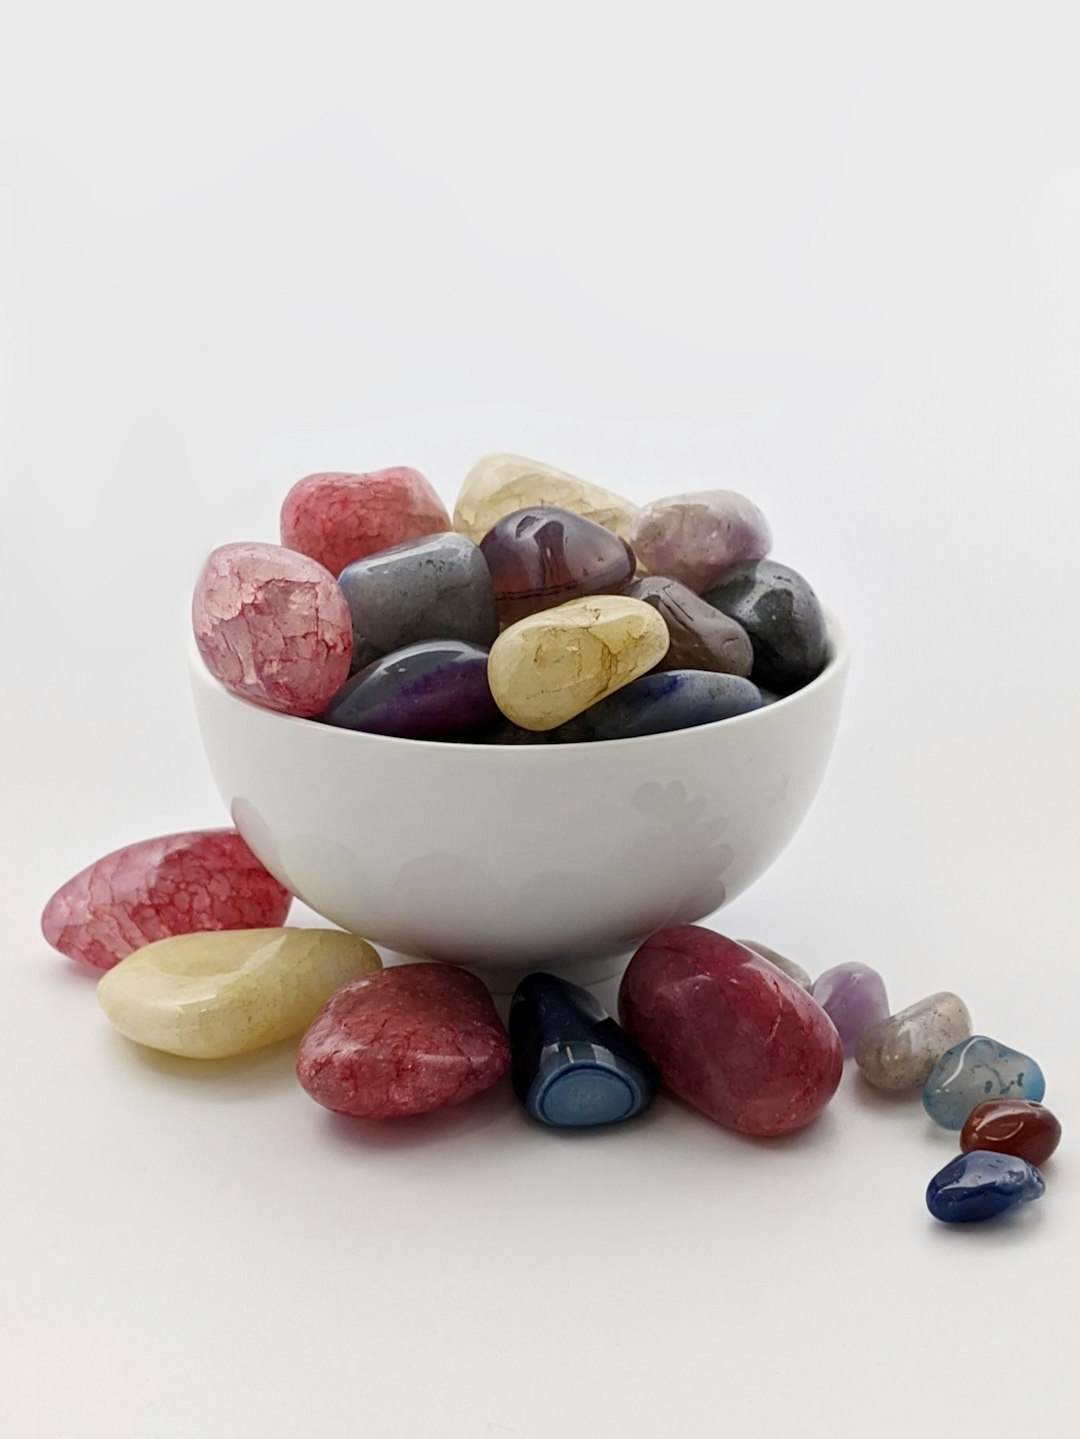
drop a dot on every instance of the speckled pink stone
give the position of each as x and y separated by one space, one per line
694 538
176 884
337 518
273 626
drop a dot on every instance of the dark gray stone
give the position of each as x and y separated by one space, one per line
781 614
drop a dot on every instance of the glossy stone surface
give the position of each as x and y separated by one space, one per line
1012 1126
696 538
499 484
786 966
272 626
423 691
900 1052
980 1185
701 637
413 1038
540 557
853 996
729 1033
203 879
975 1069
337 517
573 1066
672 699
781 614
209 996
435 588
551 666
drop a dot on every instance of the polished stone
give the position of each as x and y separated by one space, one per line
730 1034
272 627
853 996
981 1185
573 1066
697 538
202 879
425 691
670 700
1012 1126
781 614
414 1038
209 996
553 665
701 637
499 484
975 1069
435 588
337 517
541 557
786 966
900 1052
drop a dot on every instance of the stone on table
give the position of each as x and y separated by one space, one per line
975 1069
696 538
337 517
900 1052
1012 1126
701 637
981 1185
783 617
540 557
501 483
670 700
430 690
853 996
786 966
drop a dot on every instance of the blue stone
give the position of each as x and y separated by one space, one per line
432 690
975 1070
981 1184
572 1064
672 699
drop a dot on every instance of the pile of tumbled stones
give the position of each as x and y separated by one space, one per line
190 928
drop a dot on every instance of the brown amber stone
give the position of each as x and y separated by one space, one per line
701 637
544 556
1012 1126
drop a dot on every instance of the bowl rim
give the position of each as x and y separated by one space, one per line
835 668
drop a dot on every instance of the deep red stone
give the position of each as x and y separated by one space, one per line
337 518
729 1032
1019 1127
176 884
404 1040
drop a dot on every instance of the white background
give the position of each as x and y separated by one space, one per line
829 258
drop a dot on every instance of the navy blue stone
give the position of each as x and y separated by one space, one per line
981 1184
426 691
781 614
670 699
573 1066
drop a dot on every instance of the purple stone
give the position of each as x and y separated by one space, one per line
430 690
853 996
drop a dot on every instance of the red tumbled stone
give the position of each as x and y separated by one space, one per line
176 884
1019 1127
273 626
729 1033
337 518
403 1041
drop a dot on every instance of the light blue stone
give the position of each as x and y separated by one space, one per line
977 1069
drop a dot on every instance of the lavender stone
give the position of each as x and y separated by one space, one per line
694 538
425 691
853 996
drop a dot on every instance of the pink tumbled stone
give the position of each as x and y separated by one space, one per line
337 518
694 538
404 1040
176 884
273 626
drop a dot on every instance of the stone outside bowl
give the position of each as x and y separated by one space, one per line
513 858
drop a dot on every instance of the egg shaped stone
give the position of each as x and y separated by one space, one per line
900 1052
540 557
695 538
783 617
424 691
1012 1126
337 517
701 637
501 483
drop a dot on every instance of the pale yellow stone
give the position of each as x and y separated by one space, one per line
550 666
207 996
499 484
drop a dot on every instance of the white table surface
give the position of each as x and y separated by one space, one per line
827 259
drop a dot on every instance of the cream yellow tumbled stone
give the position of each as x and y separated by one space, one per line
499 484
208 996
550 666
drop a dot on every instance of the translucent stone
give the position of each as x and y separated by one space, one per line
543 556
209 996
694 538
431 690
786 966
701 637
900 1052
981 1185
780 612
1012 1126
337 517
500 484
551 666
853 996
974 1070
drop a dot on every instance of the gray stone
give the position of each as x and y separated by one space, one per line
781 614
788 966
901 1052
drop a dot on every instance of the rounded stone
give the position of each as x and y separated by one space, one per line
900 1052
853 996
550 666
540 557
981 1185
1012 1126
499 484
424 691
272 627
786 966
696 538
976 1069
701 637
433 588
336 517
210 996
780 612
670 700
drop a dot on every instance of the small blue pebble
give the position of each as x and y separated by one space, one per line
973 1071
980 1185
671 699
573 1066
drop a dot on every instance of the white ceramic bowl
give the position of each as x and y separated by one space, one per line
507 859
